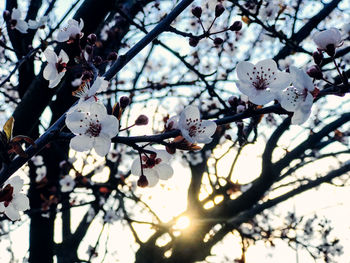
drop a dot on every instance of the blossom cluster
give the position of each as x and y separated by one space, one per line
294 90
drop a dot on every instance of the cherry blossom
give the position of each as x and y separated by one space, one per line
110 216
193 129
17 22
34 24
56 66
40 173
261 82
269 11
298 98
67 184
92 126
71 32
87 93
154 166
11 200
328 40
37 160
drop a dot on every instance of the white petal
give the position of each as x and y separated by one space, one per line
136 167
62 36
290 100
22 26
110 125
282 81
32 24
50 72
75 122
20 202
81 143
191 112
100 84
243 69
2 207
98 109
63 56
16 182
81 24
165 171
12 213
162 154
152 177
102 145
16 14
53 83
50 56
261 97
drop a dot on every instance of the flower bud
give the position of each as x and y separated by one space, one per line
197 11
170 149
112 56
315 72
233 101
236 26
97 60
142 182
87 75
193 41
240 108
91 39
141 120
218 41
318 57
124 102
88 49
219 9
6 15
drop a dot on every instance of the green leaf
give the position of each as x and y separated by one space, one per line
8 127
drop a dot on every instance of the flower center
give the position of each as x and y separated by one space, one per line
94 129
150 161
261 77
61 66
6 195
260 83
194 127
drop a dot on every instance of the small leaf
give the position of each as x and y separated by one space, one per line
8 127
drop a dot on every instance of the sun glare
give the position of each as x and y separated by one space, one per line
182 223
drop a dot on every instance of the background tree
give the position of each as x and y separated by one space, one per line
159 57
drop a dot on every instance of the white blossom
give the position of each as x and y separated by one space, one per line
56 66
12 201
85 92
34 24
37 160
92 126
113 155
110 216
67 184
261 82
154 166
40 173
193 129
328 37
17 22
71 32
298 98
269 11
